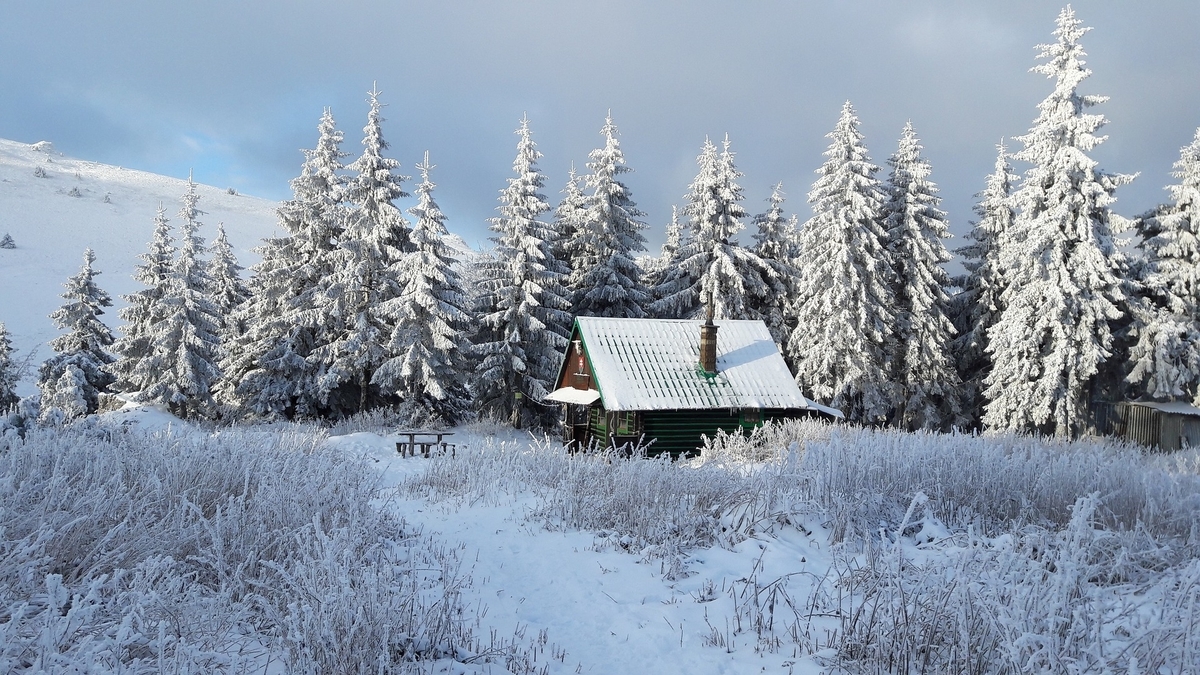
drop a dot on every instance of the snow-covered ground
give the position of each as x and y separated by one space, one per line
603 608
135 542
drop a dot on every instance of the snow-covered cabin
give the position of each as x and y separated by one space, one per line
668 382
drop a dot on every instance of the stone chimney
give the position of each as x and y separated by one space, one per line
708 341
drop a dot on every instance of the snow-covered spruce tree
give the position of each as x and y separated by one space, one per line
522 307
605 279
266 372
668 254
775 243
1166 356
134 368
362 279
183 365
65 398
712 265
8 372
569 216
430 367
844 309
928 387
83 350
1061 266
228 290
976 307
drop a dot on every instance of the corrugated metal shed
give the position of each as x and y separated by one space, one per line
652 364
1166 426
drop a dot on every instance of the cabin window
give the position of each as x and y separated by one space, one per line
626 423
751 416
580 378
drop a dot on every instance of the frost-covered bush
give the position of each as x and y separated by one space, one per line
385 421
863 477
771 441
1035 600
224 553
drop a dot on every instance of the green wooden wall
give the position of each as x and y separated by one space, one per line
681 431
676 431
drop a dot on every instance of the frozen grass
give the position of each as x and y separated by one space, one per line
1035 601
998 483
226 553
654 507
264 549
955 553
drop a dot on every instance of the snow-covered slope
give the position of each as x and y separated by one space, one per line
54 207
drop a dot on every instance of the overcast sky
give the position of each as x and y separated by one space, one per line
235 89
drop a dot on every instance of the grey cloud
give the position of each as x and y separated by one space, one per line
127 82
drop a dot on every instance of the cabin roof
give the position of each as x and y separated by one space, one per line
1173 407
653 364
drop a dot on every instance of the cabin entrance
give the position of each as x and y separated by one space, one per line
576 434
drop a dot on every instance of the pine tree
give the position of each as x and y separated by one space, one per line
522 310
134 368
428 371
569 217
64 398
929 386
228 290
266 371
83 350
713 266
679 293
844 309
8 372
668 255
605 279
976 307
775 237
775 243
374 239
1166 357
183 362
1062 269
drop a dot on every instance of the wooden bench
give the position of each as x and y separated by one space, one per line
423 441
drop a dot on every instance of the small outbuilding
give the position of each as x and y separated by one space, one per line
1164 426
666 383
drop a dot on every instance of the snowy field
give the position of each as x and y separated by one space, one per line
137 543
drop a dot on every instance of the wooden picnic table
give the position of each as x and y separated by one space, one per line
424 440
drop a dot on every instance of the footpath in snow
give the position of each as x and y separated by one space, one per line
603 611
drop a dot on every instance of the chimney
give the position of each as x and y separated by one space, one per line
708 341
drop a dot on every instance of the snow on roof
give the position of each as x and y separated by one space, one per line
573 395
1176 407
653 364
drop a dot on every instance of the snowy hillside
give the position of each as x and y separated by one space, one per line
54 207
